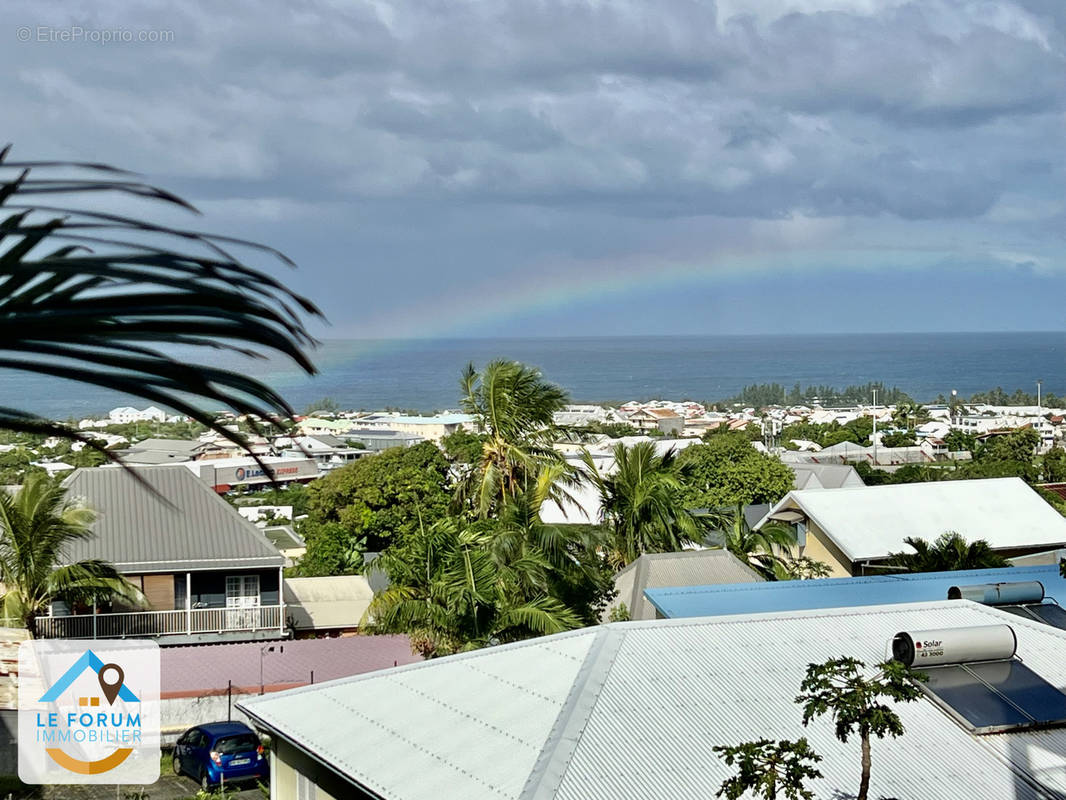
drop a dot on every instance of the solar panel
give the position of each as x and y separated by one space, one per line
995 696
1049 613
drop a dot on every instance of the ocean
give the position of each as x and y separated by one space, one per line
424 374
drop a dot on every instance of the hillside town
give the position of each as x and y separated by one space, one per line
242 554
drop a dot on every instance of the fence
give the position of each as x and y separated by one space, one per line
159 623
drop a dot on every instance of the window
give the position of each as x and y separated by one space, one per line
305 788
995 696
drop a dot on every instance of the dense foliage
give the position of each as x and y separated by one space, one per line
727 470
774 394
950 551
642 503
370 503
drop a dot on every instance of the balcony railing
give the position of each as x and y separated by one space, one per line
160 623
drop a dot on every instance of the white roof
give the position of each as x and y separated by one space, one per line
630 711
872 521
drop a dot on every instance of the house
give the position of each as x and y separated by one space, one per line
853 529
433 428
868 590
629 711
208 574
163 451
689 568
663 419
127 414
330 452
374 441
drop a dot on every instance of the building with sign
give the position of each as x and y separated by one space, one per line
230 474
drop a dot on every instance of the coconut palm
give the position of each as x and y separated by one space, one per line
949 552
37 525
449 592
641 503
92 297
766 550
513 407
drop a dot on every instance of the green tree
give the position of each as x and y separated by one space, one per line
767 550
856 702
727 470
1053 465
959 441
641 502
463 447
372 502
91 297
577 575
37 524
766 767
1018 446
513 407
450 593
949 552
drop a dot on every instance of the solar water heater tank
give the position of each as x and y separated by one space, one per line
998 594
954 645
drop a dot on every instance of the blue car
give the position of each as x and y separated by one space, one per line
219 751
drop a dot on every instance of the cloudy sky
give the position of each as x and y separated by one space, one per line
554 167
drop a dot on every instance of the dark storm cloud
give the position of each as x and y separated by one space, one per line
518 134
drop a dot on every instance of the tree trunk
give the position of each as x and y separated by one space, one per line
864 783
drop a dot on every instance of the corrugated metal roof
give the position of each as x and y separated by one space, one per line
186 527
688 568
754 598
630 711
870 522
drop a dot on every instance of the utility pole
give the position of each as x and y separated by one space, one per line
875 428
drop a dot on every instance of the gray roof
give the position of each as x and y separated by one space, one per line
162 451
186 527
825 476
629 711
688 568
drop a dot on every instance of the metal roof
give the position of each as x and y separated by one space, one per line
753 598
688 568
870 522
186 527
630 710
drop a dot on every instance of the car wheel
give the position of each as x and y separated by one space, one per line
205 784
176 764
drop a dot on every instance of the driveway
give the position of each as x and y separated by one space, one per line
168 787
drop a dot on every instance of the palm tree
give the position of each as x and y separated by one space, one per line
91 297
766 550
37 525
513 407
949 552
641 502
449 592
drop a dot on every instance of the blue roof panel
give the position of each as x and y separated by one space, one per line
872 590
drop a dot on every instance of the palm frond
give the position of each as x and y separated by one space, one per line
98 298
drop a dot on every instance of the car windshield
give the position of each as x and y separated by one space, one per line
236 744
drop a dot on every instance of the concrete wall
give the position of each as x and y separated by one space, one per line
179 713
288 762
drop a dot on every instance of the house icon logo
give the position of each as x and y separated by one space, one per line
83 715
93 720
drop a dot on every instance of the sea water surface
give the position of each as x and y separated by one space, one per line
423 374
